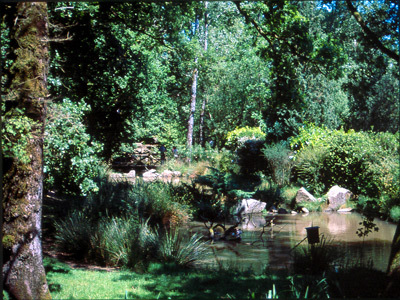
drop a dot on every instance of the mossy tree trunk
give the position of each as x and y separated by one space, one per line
393 288
23 272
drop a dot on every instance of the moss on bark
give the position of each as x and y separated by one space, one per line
23 272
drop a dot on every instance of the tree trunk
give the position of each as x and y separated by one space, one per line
203 105
393 288
192 107
23 272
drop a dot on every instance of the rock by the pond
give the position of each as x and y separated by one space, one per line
120 176
250 206
305 210
337 196
304 196
167 173
176 173
150 174
131 174
345 210
282 211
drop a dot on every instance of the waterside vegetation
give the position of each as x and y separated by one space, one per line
258 98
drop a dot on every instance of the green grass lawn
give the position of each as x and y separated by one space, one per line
158 283
170 282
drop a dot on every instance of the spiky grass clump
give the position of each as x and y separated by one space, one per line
114 240
176 249
73 234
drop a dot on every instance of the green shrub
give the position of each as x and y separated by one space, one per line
70 154
313 205
224 161
395 213
239 136
288 194
308 170
250 157
270 193
98 227
367 163
278 157
144 199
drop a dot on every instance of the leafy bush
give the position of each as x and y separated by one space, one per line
250 157
248 142
224 161
395 213
288 194
313 205
53 265
70 154
239 136
278 157
367 163
309 171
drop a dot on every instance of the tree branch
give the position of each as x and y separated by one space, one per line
251 20
371 35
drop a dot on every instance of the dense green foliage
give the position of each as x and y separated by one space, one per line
289 94
273 65
367 163
71 157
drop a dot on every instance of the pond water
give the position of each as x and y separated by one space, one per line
260 247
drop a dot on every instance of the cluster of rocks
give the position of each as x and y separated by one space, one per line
336 200
149 175
152 174
129 176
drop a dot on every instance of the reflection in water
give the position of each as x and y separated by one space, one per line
264 245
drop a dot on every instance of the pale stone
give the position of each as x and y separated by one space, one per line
346 209
304 196
338 196
249 206
167 173
131 174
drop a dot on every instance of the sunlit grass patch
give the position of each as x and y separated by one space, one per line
85 284
162 281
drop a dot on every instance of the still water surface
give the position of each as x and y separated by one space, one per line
273 248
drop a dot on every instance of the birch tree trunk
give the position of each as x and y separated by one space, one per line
203 105
23 272
192 107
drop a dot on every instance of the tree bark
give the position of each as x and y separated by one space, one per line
192 107
203 105
393 270
23 272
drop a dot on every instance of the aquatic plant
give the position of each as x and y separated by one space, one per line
316 258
